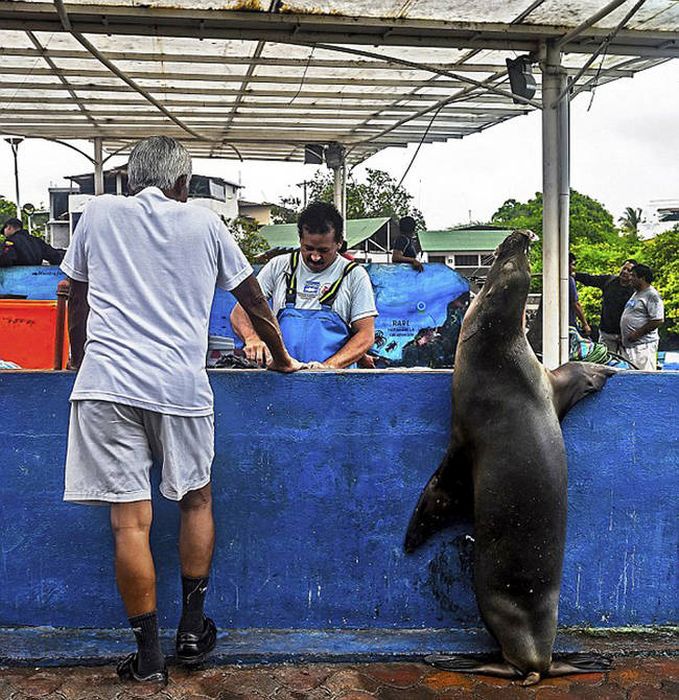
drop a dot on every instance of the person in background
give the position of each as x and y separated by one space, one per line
406 248
643 314
148 265
575 312
21 248
324 303
616 291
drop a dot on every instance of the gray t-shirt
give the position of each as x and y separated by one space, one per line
152 264
642 307
355 299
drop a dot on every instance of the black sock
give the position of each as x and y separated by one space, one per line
150 658
193 599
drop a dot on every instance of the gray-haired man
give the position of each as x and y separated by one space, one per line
142 391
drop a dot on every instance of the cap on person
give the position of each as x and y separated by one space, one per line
14 223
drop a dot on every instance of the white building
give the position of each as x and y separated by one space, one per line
66 203
658 216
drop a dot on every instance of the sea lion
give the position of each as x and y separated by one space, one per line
507 441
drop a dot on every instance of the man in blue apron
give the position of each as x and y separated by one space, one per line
324 302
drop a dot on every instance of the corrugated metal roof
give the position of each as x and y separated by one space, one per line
461 240
259 79
356 231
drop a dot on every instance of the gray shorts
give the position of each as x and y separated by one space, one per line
111 448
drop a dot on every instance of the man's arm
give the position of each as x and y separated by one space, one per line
78 311
54 256
353 350
397 256
255 349
581 317
8 255
253 302
598 281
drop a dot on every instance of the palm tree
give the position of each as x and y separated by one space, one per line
630 220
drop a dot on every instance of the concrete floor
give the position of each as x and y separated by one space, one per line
632 678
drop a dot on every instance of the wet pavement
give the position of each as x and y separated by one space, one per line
631 678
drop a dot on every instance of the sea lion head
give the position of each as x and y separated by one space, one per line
499 307
509 277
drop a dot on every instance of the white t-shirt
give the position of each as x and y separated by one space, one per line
642 307
354 301
152 264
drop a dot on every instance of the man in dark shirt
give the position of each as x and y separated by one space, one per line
20 248
616 291
407 245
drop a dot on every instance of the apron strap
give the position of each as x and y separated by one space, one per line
328 299
291 279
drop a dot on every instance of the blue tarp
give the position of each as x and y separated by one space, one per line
420 313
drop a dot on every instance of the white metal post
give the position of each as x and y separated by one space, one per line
563 118
556 195
98 166
340 197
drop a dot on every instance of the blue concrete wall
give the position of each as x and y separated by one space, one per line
315 478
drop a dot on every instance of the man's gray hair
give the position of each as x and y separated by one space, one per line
157 161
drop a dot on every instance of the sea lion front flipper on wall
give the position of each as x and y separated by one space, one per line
447 496
575 380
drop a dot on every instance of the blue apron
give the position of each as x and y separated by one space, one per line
312 334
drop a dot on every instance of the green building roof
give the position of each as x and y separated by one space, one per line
461 240
286 236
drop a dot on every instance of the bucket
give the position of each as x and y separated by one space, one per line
218 346
27 333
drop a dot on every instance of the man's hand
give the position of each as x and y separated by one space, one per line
417 265
292 365
256 351
633 336
317 365
586 329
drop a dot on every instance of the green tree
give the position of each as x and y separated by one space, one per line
595 241
630 220
286 212
8 210
378 195
246 232
661 254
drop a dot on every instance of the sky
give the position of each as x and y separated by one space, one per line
624 152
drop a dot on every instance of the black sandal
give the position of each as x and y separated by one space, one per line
127 672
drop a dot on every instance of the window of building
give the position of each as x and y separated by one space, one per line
466 260
437 258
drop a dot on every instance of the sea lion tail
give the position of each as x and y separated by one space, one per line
448 493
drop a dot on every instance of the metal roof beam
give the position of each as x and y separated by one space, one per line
175 21
241 120
207 78
255 107
458 66
92 87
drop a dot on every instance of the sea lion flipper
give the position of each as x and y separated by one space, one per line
575 380
473 664
448 493
580 662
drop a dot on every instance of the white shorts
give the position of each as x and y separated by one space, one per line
643 356
112 446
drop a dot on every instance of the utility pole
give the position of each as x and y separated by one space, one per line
14 143
303 185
